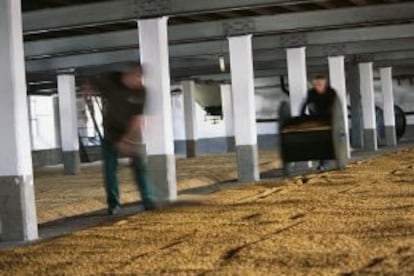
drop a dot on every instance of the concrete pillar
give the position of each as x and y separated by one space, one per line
338 82
227 108
242 77
298 85
57 120
368 105
17 203
388 106
357 137
30 115
297 77
68 115
82 120
153 39
190 117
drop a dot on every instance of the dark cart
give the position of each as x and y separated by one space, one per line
309 138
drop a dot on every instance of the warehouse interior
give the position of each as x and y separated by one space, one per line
217 75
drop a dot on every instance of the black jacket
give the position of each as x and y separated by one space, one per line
319 104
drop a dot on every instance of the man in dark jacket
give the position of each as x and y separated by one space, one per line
124 96
320 102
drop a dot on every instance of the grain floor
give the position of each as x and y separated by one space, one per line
359 221
59 196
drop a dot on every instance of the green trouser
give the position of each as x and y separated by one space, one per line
141 173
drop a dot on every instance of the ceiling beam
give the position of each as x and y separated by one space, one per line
129 39
335 18
399 69
322 19
269 68
126 10
178 57
325 4
405 70
277 61
359 2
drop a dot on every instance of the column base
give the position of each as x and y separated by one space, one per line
191 148
231 144
18 220
370 139
357 141
71 162
164 177
390 136
247 163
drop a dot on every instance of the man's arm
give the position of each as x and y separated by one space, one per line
128 144
136 126
304 106
334 96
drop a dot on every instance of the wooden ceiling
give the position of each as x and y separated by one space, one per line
299 6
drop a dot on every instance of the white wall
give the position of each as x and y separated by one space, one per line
42 123
268 98
87 131
45 134
177 106
403 96
43 126
83 120
205 128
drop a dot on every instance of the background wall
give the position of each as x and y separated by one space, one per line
44 123
403 95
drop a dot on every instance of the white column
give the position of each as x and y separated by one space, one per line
30 114
368 105
57 120
298 81
353 87
153 37
227 109
68 115
242 77
338 82
17 204
388 106
82 115
190 117
297 76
